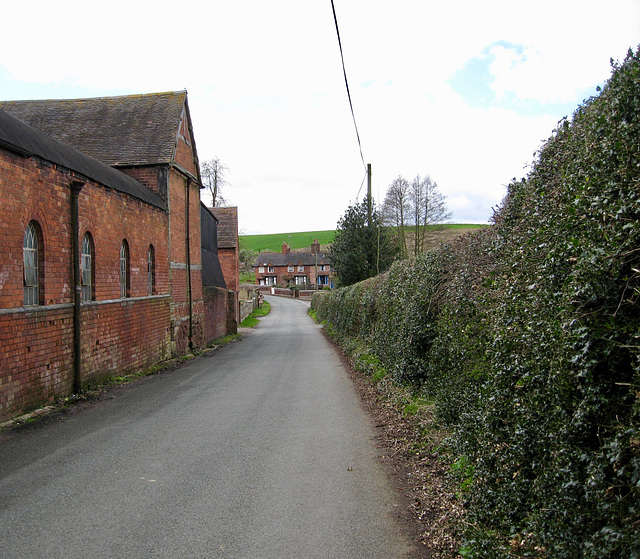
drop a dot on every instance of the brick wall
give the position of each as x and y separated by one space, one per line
117 335
36 357
216 309
106 352
230 264
187 325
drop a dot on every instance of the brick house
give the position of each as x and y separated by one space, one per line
228 249
286 268
101 242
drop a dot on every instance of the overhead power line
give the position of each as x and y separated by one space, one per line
346 82
364 178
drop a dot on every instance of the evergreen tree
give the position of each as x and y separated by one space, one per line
362 247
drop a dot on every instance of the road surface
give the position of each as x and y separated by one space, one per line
257 450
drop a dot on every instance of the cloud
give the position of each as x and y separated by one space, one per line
464 91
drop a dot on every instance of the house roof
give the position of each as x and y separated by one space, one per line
279 259
21 138
227 226
119 131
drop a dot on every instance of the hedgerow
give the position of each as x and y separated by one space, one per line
527 335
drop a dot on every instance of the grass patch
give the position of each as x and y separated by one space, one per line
252 320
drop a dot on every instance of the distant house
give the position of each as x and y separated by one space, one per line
304 269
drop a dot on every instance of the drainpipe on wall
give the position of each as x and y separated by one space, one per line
188 247
76 187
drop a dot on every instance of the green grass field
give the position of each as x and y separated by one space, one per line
297 241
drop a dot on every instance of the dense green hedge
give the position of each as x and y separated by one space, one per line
527 335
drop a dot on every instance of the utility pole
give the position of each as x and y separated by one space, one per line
369 193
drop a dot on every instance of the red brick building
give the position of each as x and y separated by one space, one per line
305 269
100 250
228 249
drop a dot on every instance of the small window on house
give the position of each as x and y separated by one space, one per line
270 269
261 269
300 268
151 270
290 268
125 279
87 274
33 265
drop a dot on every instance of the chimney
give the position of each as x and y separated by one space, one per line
285 248
315 247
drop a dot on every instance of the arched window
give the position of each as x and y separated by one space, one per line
125 279
151 270
33 265
87 271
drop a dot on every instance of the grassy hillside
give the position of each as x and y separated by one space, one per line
297 241
301 241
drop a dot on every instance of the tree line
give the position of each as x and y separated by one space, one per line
368 240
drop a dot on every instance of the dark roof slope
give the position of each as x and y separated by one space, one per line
279 259
212 274
21 138
227 226
125 130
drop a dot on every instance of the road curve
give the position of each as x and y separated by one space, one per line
258 450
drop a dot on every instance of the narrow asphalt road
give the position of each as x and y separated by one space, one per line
258 450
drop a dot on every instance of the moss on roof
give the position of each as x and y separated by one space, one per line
126 130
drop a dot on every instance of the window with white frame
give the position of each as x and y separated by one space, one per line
300 267
261 269
290 268
270 269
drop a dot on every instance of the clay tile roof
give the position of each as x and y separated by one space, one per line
125 130
21 138
227 226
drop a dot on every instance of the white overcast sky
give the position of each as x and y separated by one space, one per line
463 91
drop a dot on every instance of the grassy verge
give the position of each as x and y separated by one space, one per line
253 319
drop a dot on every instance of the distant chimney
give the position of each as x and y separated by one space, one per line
285 248
315 247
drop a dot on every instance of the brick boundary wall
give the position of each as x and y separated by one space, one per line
216 313
305 294
117 337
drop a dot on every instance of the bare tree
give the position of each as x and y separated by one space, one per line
395 209
213 173
428 207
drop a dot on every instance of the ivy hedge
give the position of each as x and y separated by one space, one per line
527 336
